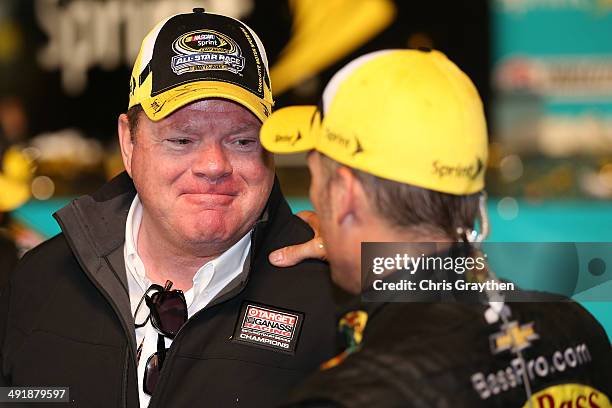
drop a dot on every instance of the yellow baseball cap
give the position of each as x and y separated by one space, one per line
198 55
410 116
15 176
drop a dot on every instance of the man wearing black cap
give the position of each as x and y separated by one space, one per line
158 292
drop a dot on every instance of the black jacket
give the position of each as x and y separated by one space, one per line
8 258
66 318
426 355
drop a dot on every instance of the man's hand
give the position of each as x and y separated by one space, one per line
314 248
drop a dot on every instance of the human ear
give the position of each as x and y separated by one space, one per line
126 142
345 191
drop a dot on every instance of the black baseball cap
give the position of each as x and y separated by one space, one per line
188 57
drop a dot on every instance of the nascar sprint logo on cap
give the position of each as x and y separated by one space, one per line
206 50
268 327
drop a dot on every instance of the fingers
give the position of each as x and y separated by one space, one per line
313 249
306 214
292 255
312 219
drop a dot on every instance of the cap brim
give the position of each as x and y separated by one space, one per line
162 105
291 130
13 194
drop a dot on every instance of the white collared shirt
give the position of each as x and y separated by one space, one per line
208 281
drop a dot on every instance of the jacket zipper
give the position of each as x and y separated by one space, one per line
124 391
129 352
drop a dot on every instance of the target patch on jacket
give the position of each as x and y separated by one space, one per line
268 327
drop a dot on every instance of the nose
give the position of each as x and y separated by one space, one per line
212 163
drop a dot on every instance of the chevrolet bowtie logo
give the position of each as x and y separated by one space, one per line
513 337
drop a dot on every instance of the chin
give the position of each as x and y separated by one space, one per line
205 232
345 279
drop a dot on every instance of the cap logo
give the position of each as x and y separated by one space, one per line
334 137
291 139
206 50
470 171
358 147
345 142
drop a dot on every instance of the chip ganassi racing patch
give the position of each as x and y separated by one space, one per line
268 327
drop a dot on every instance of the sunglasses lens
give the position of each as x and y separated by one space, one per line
151 375
171 312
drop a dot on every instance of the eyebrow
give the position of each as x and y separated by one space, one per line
184 127
188 128
245 127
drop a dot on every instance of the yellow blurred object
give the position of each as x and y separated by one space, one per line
15 179
43 188
605 175
325 33
10 41
604 5
113 163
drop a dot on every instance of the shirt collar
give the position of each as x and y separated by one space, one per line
132 226
229 261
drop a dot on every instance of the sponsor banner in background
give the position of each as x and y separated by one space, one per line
552 74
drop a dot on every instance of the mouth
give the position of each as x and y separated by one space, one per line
209 199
